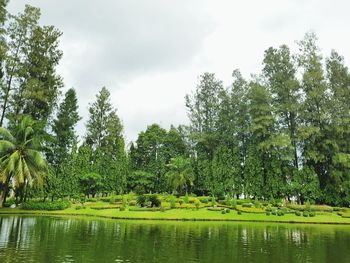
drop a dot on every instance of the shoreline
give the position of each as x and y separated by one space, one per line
236 218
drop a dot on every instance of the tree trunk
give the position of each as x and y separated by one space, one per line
3 196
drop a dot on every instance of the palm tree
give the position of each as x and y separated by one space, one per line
21 160
180 174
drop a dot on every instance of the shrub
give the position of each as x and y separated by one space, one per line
49 206
305 214
162 209
307 206
297 213
239 212
181 201
78 207
280 213
154 200
186 199
204 200
274 212
268 209
132 203
257 204
122 208
172 201
312 214
9 202
213 201
247 205
234 203
141 200
268 213
228 211
223 212
197 203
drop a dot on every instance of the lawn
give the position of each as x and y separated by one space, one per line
188 214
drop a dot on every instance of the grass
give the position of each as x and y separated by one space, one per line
187 214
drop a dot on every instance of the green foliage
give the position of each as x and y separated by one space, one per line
49 206
141 200
90 183
154 200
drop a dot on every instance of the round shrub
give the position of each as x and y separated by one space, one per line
228 211
312 214
223 212
297 213
268 213
274 212
141 200
239 212
305 214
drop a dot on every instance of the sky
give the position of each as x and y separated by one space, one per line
150 53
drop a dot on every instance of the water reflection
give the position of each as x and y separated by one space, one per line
44 239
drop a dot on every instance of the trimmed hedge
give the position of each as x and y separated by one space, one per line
48 206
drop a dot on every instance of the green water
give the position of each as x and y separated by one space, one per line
50 239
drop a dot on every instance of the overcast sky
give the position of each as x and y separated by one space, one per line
149 53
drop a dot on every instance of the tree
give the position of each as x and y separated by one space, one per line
203 108
90 183
105 138
180 175
21 160
64 128
31 84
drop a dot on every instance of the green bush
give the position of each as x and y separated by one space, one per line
223 212
132 203
49 206
197 204
228 211
247 205
9 202
204 200
154 200
172 201
268 213
297 213
239 212
141 200
305 214
312 214
186 199
181 201
274 212
280 213
213 201
162 209
122 208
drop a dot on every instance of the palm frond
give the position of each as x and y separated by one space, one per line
5 134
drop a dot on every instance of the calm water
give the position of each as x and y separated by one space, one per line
46 239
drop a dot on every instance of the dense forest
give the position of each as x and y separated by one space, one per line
283 133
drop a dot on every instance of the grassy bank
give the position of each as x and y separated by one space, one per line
187 214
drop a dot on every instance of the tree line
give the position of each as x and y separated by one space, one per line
282 133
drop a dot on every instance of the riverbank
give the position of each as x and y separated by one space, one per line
185 215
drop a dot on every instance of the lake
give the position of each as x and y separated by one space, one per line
60 239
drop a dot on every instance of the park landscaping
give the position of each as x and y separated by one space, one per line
169 207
